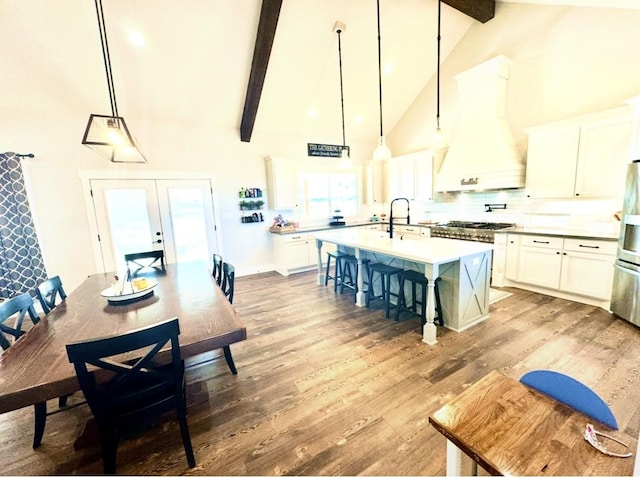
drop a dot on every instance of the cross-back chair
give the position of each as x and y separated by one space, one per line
228 280
132 392
48 292
217 268
19 307
139 260
228 285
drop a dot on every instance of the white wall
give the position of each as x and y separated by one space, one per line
567 61
56 194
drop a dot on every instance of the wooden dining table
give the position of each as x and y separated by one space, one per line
511 429
36 367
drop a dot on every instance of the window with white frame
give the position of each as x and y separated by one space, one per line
322 193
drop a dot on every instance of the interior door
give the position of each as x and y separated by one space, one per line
138 215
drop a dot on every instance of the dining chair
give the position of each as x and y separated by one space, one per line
571 392
217 268
140 260
228 286
18 307
228 280
47 293
129 394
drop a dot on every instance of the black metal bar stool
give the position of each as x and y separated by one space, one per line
385 272
417 278
347 272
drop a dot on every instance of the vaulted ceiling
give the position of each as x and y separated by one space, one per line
195 64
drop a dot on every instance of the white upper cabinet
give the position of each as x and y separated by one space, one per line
410 176
282 183
585 156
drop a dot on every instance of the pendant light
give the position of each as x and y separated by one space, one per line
345 161
438 140
109 136
382 152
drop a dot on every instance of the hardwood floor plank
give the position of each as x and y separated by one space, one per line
325 387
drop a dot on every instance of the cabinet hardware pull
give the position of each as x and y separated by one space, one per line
589 246
539 241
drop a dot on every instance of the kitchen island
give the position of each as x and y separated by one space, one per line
463 266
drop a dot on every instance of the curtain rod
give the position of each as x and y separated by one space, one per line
17 154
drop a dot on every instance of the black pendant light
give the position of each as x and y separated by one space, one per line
438 140
382 152
109 136
340 27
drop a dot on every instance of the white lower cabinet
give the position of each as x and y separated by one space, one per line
540 261
587 268
297 252
576 269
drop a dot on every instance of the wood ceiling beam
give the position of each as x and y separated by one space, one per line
481 10
261 52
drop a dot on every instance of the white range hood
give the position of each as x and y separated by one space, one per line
482 154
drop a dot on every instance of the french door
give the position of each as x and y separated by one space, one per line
135 215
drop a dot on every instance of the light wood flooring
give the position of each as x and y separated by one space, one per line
328 388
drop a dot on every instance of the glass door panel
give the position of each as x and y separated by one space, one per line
186 209
139 215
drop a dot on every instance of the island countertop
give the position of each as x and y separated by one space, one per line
462 267
425 250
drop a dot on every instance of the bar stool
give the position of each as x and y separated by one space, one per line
347 272
385 272
417 278
333 277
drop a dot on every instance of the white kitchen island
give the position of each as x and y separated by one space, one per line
463 266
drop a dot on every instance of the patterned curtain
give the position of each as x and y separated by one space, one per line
21 265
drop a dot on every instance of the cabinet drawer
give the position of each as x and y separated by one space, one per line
289 238
407 229
542 241
593 246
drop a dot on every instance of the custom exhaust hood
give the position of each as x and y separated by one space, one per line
483 154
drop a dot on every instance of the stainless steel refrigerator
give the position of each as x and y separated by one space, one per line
625 297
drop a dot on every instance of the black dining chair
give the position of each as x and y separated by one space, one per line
13 311
228 286
124 394
17 307
217 268
228 280
48 292
139 260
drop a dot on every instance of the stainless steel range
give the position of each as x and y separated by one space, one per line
476 231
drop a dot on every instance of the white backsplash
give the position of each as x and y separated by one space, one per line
575 214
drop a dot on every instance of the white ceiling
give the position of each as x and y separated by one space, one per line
194 66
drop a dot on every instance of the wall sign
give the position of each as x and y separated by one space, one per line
325 150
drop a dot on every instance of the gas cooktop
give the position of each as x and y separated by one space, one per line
477 225
476 231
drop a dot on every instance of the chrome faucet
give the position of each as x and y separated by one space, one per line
391 214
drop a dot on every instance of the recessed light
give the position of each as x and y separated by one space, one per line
312 113
136 38
388 68
357 119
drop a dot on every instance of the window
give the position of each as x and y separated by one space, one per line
323 193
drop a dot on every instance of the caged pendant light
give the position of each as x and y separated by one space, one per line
109 136
382 152
345 160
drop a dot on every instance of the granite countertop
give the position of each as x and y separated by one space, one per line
567 233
